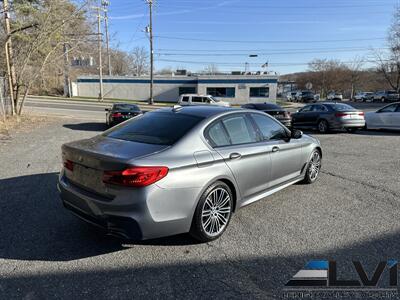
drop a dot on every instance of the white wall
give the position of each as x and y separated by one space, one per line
169 92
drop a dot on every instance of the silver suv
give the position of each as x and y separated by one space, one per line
386 96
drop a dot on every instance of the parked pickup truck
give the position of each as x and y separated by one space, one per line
193 99
386 96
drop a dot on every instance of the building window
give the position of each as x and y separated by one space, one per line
259 92
187 90
221 92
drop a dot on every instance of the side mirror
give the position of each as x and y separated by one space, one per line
296 134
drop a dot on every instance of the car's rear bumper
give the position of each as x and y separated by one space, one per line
286 122
343 124
150 215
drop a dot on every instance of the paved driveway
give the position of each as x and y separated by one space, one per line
350 213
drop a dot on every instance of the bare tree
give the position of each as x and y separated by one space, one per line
388 63
326 75
47 27
211 69
354 74
122 63
165 71
140 61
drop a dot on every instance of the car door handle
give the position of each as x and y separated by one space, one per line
235 156
275 149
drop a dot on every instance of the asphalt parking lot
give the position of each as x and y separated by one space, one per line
350 213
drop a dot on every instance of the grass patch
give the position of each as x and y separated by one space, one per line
20 123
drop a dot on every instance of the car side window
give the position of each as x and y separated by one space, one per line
206 100
269 128
185 99
390 108
216 135
306 109
240 130
197 99
319 108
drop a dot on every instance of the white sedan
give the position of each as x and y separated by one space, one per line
387 117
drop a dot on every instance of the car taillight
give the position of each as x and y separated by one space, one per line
69 165
116 115
340 115
135 176
361 114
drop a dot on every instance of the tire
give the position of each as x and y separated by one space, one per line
213 214
323 126
313 168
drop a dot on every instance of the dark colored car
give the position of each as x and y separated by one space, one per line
305 96
121 112
328 116
273 110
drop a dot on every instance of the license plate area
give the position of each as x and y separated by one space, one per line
88 177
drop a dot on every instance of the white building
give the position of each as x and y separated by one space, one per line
236 89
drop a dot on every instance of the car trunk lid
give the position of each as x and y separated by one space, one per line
90 158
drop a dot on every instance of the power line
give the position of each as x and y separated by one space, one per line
254 50
265 53
255 64
268 41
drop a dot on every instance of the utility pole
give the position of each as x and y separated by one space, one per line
150 2
105 4
67 86
9 57
99 39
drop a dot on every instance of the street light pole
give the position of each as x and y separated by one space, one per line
150 2
105 4
99 39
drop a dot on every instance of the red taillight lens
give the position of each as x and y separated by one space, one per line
135 176
69 165
361 114
117 115
340 115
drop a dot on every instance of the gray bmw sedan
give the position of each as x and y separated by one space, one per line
183 169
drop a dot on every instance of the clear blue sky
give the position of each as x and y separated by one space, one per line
286 33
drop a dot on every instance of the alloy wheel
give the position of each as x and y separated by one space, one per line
315 166
216 212
322 126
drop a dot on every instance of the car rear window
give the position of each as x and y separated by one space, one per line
159 128
342 107
126 107
268 106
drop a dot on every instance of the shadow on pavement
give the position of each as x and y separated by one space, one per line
242 277
87 126
36 226
378 132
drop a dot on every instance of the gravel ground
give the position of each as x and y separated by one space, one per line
350 213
